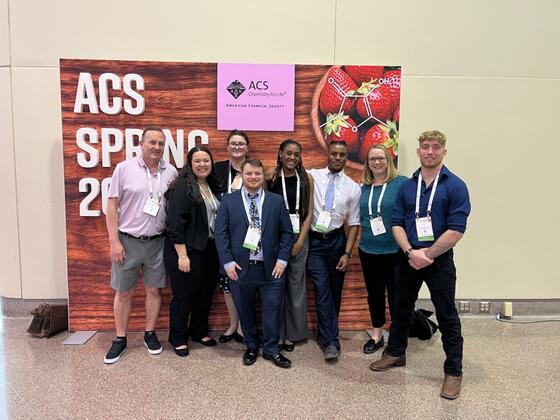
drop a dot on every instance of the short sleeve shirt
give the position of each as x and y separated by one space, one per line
129 184
385 243
346 198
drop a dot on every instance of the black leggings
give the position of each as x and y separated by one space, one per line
379 273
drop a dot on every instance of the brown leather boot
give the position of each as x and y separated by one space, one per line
451 387
387 362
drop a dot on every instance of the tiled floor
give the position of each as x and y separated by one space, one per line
511 371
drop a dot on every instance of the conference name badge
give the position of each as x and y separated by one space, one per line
323 222
252 239
377 226
294 218
151 207
424 229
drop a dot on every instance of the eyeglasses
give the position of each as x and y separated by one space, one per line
238 145
377 159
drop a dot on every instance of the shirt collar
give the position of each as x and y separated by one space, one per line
443 173
143 164
335 175
248 194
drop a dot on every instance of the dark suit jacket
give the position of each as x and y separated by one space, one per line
277 236
187 221
221 170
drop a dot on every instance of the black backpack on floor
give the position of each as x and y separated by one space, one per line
423 327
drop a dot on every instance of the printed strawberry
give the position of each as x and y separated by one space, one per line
333 95
377 102
387 135
342 127
392 81
361 74
397 113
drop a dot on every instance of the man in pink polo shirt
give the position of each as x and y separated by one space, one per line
136 225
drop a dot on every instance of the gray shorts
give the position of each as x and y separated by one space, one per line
139 255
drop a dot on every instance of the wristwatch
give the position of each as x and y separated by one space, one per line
408 252
348 254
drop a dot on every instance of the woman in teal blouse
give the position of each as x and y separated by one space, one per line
377 248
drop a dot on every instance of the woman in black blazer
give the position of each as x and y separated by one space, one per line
190 253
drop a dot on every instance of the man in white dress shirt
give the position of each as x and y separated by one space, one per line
336 199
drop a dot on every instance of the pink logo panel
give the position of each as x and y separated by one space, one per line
256 97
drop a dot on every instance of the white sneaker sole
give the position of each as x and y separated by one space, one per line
158 351
114 359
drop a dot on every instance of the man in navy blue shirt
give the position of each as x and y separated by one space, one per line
429 218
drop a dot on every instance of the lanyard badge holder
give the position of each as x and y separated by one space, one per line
294 217
253 235
252 238
323 221
151 206
325 216
376 223
424 229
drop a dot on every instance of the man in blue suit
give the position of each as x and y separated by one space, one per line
254 237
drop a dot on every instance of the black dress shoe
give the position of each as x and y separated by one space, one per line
250 356
226 338
371 346
279 360
181 352
288 347
207 343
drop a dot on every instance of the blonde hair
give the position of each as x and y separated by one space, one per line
433 135
367 175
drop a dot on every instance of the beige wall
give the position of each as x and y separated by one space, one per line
4 35
486 73
10 279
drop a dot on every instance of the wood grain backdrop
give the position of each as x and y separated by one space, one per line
177 96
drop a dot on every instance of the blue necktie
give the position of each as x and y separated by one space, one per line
329 195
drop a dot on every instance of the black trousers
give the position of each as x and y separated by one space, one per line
192 292
440 277
379 273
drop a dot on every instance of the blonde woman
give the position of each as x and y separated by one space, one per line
377 248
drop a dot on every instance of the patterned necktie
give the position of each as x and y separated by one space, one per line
329 195
255 219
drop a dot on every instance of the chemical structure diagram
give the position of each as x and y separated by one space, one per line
350 96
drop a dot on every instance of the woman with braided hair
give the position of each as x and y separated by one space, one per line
290 180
